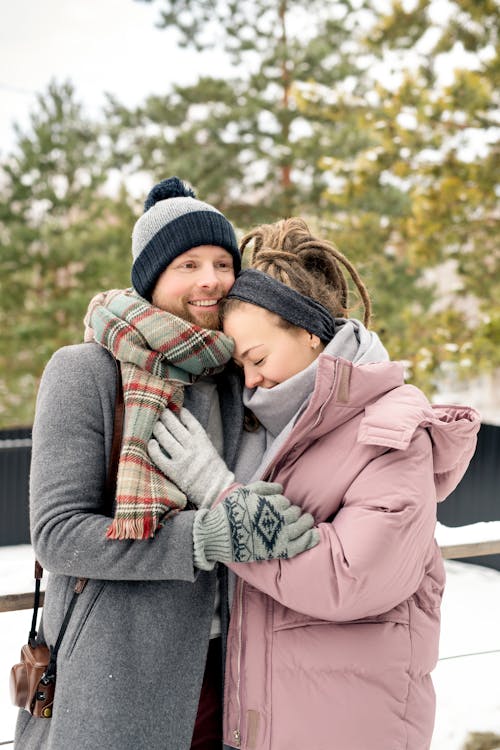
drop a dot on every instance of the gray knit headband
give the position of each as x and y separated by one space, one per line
262 290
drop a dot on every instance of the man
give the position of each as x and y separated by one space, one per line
135 669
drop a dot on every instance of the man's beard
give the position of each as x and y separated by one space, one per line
210 320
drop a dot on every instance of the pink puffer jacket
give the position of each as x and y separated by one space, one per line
333 649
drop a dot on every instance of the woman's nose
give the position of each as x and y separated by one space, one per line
252 377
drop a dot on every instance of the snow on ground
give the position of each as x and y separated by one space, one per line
483 531
466 678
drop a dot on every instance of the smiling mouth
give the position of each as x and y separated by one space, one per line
204 302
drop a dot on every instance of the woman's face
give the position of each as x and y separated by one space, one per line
268 353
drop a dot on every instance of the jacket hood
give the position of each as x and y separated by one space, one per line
354 342
453 429
393 411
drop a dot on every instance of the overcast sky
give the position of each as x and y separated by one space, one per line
101 45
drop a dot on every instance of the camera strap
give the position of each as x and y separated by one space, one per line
36 604
109 493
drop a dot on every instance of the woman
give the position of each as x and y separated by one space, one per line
332 649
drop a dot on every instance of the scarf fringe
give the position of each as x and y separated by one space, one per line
137 528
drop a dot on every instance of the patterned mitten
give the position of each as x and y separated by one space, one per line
252 523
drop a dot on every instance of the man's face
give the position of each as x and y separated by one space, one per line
194 283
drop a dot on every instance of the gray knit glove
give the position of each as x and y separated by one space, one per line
184 452
252 523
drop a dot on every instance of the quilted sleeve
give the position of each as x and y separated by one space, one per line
372 556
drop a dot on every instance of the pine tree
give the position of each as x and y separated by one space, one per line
240 138
62 240
355 156
439 141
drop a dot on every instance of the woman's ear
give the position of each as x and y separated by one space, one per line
314 341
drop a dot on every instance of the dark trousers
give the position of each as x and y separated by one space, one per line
207 734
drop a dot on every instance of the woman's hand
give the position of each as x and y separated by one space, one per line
255 522
182 450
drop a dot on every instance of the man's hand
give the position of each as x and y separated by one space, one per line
252 523
183 451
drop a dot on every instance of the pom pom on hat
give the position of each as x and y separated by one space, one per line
174 221
172 187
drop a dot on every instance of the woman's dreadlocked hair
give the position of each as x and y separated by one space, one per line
288 252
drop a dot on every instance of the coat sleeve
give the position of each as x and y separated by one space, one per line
71 438
372 556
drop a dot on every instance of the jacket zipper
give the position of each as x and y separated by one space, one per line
236 732
271 472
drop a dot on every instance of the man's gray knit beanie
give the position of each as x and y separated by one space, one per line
175 221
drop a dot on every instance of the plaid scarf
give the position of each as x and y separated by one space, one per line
159 354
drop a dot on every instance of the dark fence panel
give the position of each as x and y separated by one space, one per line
477 497
15 457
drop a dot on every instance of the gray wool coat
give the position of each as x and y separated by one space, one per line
131 663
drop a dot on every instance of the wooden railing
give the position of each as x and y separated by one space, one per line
14 602
470 549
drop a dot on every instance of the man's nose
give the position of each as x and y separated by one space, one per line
208 277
